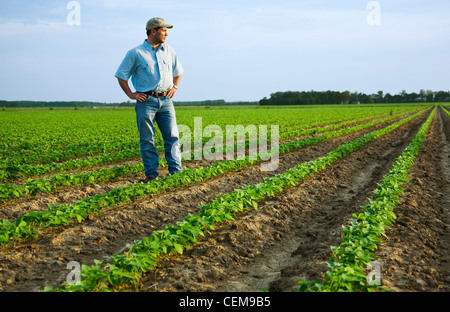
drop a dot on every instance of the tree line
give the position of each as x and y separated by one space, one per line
347 97
277 98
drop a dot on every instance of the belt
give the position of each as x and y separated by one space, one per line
156 94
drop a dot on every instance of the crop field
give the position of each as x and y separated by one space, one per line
358 200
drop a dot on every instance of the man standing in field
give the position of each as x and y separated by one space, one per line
155 72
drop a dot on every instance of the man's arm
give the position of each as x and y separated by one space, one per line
141 97
176 81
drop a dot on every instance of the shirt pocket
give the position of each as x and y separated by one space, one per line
167 64
144 69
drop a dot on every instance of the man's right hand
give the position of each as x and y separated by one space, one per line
140 97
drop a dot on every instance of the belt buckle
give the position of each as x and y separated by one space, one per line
163 94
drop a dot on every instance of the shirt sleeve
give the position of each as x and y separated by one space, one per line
177 69
127 67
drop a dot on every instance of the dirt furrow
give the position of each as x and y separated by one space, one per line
416 254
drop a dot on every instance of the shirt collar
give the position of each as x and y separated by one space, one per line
149 47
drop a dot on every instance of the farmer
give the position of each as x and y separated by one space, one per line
155 72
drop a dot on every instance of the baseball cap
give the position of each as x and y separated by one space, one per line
157 22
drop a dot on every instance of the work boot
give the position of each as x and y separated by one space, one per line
148 179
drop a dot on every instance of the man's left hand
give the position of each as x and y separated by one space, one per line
171 92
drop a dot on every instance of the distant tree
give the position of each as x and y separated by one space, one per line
388 98
345 97
429 96
379 97
442 96
403 96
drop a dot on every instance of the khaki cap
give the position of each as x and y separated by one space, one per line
157 22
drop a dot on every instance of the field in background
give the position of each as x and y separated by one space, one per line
70 193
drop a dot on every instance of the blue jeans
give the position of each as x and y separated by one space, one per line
162 111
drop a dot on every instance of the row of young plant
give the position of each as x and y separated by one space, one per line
349 261
32 187
144 255
21 167
46 155
32 224
445 111
23 171
317 130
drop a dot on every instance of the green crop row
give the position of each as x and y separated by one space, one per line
26 170
45 155
29 225
32 187
10 191
144 254
346 268
446 111
314 131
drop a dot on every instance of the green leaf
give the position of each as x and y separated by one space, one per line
178 248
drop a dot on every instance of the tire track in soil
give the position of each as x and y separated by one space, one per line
415 255
29 266
289 237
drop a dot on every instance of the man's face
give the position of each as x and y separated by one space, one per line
160 35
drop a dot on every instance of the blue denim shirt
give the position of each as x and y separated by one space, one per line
150 69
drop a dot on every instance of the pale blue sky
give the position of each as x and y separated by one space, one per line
233 50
